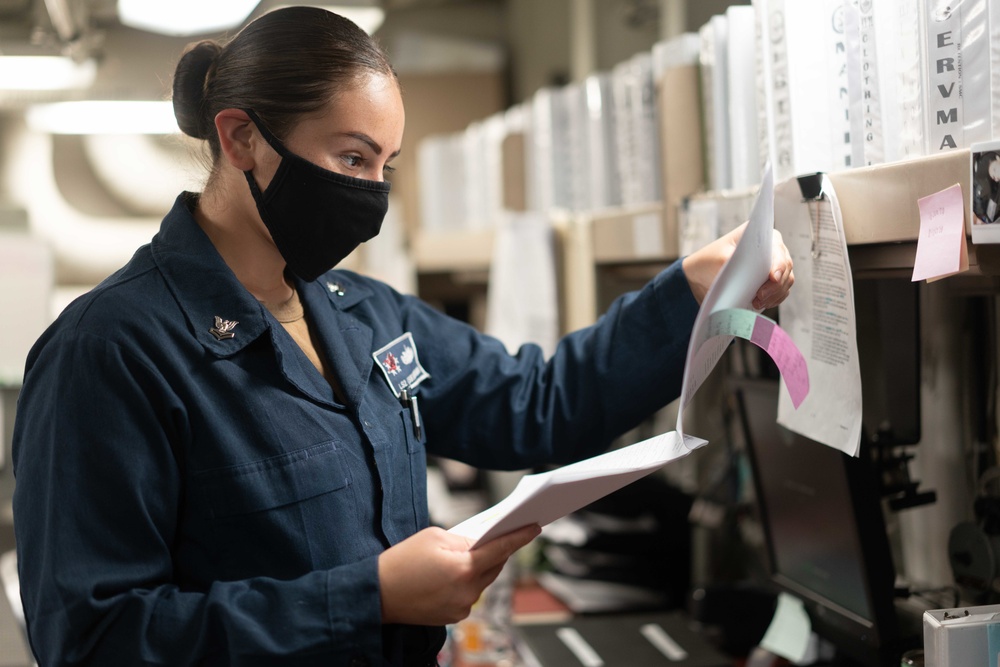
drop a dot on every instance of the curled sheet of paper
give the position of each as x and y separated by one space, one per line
766 334
733 290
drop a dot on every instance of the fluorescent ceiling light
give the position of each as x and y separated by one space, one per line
181 18
368 19
103 117
45 73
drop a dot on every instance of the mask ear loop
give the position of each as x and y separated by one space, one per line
272 140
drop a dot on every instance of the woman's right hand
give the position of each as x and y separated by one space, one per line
433 578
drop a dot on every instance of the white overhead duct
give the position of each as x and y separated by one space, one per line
114 159
86 248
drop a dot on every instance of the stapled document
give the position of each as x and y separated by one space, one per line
819 314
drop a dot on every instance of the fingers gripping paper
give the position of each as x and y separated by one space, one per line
726 311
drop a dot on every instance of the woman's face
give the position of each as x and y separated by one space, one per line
358 134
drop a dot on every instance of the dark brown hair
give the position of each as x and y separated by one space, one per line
283 65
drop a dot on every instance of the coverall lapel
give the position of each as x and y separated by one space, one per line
345 339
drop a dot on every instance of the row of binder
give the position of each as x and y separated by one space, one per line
848 83
587 146
810 85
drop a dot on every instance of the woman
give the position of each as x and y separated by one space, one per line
220 451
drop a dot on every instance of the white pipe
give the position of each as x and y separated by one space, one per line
86 248
142 171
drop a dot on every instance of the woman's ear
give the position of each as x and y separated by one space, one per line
236 138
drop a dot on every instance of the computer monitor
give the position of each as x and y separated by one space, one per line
888 333
824 533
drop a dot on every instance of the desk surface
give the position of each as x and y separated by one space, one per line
543 624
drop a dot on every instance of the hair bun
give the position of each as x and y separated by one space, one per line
189 88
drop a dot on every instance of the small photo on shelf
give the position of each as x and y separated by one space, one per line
984 192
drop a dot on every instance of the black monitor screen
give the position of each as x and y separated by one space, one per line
888 335
825 535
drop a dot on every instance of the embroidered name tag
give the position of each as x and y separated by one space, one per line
400 364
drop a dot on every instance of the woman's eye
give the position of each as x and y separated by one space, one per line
388 170
353 161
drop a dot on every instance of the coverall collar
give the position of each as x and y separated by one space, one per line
206 288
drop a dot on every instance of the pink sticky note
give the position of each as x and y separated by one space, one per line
941 248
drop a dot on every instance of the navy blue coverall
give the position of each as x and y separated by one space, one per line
188 500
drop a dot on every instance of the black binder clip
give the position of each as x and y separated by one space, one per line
811 186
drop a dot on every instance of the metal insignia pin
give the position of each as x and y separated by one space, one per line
335 288
223 328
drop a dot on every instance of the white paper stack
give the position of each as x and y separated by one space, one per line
903 20
804 85
645 127
884 40
957 66
441 161
592 154
855 73
621 84
636 130
714 63
877 51
549 182
544 497
745 158
838 99
603 186
578 146
475 150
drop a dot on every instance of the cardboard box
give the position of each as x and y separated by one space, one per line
681 151
633 235
515 190
459 250
879 203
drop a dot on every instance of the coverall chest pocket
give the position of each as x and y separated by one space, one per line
273 482
297 509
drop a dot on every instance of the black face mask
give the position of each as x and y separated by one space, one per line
316 217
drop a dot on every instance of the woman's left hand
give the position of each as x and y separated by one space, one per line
702 266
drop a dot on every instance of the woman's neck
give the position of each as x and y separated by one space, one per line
242 240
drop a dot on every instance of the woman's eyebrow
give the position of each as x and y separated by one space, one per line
374 145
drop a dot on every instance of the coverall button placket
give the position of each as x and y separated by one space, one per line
374 443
